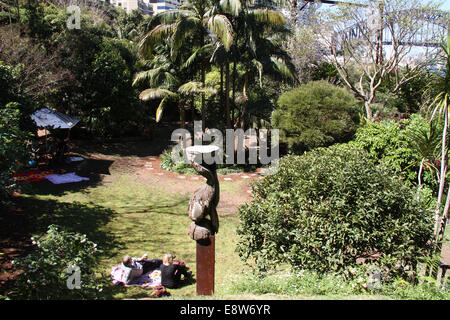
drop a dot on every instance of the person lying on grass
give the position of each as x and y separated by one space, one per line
171 272
135 267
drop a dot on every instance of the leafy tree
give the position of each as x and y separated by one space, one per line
13 152
191 21
47 269
403 146
366 54
314 115
328 209
440 86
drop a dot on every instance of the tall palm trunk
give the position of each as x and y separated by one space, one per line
227 94
244 104
438 219
420 179
182 116
234 88
203 97
18 10
443 172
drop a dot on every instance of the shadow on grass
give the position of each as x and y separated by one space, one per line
35 215
129 147
90 168
32 216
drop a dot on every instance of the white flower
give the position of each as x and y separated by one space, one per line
83 240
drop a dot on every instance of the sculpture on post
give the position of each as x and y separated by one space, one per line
204 201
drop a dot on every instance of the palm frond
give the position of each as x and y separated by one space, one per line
259 66
233 7
198 53
153 37
267 16
195 87
282 68
219 54
221 26
155 93
145 76
159 111
184 27
170 16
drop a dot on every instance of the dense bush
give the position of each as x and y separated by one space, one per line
316 114
45 270
402 145
324 210
180 167
13 151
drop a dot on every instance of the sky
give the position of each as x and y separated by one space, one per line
446 5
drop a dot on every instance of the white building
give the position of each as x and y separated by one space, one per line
160 6
130 5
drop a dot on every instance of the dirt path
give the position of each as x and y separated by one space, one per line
235 187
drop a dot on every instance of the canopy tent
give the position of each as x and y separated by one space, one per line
46 118
49 119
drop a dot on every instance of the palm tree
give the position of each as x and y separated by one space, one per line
441 85
192 23
258 48
167 80
425 141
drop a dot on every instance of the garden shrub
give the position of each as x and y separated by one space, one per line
168 164
316 114
13 151
324 210
45 273
393 143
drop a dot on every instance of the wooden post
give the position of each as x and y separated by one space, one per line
201 229
205 266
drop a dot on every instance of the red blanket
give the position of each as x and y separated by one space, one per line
34 175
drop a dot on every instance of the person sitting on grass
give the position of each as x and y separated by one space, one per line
171 272
135 267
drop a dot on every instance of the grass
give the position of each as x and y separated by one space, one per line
126 215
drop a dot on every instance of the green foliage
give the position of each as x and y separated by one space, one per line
402 145
324 210
13 151
7 83
315 115
306 283
45 268
168 164
182 168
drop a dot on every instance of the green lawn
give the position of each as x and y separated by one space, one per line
124 215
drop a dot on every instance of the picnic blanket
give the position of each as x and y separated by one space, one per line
149 279
65 178
34 175
74 159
